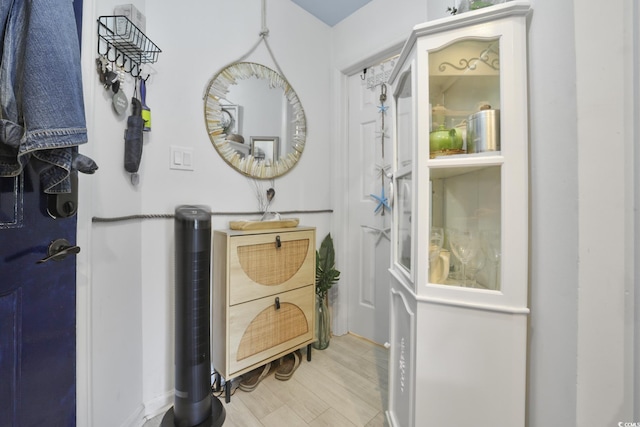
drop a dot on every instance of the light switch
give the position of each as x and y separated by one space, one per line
181 158
186 158
177 158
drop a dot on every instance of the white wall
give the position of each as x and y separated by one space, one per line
581 87
606 261
554 209
581 327
634 350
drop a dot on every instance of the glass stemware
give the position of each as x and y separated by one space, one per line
490 242
475 264
464 244
436 239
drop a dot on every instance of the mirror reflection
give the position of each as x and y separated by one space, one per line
255 120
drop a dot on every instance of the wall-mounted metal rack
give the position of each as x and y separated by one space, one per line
124 44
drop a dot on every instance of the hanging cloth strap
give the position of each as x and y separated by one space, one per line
264 33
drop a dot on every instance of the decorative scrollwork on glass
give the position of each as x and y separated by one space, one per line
488 56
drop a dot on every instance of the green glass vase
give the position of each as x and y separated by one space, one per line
323 324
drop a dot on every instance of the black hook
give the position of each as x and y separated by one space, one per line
364 75
106 52
138 70
110 48
138 74
124 60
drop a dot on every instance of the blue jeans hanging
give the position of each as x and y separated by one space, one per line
41 102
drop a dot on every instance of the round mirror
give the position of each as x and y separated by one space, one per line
255 120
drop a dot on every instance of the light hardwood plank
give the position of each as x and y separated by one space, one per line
260 403
238 414
298 397
283 416
349 352
338 395
358 378
379 420
331 418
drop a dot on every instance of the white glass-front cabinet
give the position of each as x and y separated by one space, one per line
460 222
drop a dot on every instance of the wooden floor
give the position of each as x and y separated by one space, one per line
344 385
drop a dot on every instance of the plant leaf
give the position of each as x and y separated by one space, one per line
326 274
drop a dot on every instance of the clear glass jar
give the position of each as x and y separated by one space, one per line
323 324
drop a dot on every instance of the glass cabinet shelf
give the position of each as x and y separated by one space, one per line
452 167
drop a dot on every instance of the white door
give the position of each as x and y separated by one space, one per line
368 218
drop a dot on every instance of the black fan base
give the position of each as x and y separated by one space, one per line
216 419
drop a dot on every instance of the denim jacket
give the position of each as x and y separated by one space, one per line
41 102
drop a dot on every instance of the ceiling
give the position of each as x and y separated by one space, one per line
331 11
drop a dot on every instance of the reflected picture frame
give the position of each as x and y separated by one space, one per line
266 147
232 113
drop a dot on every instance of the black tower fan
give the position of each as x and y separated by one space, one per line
194 405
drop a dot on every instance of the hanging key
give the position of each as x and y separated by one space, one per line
110 78
101 68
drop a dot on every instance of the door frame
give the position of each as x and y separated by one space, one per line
84 386
339 300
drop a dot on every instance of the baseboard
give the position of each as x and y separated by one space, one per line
135 419
390 419
158 406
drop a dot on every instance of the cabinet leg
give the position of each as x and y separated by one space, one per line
227 391
216 381
308 352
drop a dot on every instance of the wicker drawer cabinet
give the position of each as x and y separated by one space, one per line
263 297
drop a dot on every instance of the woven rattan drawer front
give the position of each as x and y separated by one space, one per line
261 328
265 264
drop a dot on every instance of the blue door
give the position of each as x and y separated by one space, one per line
37 310
37 306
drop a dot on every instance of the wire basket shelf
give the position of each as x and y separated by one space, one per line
121 42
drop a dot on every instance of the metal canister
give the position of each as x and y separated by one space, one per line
483 131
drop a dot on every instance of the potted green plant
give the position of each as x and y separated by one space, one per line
326 277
